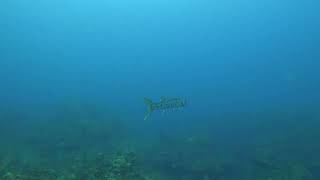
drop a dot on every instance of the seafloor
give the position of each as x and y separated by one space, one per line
86 142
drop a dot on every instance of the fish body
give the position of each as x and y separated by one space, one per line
164 104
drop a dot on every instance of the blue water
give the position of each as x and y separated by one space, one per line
73 76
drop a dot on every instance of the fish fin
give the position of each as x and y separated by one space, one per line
148 102
162 98
184 102
146 116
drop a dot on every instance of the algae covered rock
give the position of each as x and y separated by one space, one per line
286 172
299 172
123 167
122 162
265 157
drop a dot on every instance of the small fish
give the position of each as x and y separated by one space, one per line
164 104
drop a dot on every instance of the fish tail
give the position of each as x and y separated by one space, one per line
184 102
148 102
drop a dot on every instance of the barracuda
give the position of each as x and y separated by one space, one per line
164 104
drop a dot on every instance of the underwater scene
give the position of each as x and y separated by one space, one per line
159 90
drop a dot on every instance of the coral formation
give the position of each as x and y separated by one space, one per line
121 166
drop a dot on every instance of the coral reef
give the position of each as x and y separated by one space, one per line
120 166
267 166
83 143
286 172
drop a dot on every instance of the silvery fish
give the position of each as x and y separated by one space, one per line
164 104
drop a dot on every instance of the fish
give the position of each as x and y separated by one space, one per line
164 104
